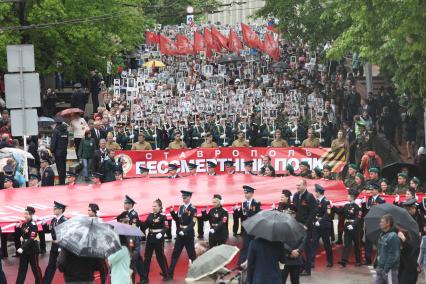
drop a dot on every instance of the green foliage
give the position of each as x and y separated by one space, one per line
78 47
388 33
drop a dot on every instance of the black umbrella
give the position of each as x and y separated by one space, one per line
400 216
274 226
230 58
391 171
279 66
45 121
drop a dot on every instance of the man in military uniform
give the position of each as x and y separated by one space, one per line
350 178
8 183
71 178
374 176
222 133
289 171
401 186
209 143
58 147
240 141
264 135
111 144
144 171
185 221
305 171
9 173
249 208
58 211
248 168
323 226
211 168
46 173
306 209
141 144
311 141
327 174
96 178
415 211
118 174
278 141
29 249
33 180
177 142
373 200
229 167
172 171
352 214
151 135
131 217
192 169
218 220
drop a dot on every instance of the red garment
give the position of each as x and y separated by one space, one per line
250 38
234 44
219 38
364 162
183 45
167 46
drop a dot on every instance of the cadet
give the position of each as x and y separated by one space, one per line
71 178
177 142
218 220
141 144
248 168
9 173
47 174
401 186
96 178
58 211
350 178
33 180
192 169
323 225
156 223
278 142
229 167
209 143
373 200
326 173
131 217
118 174
305 170
211 168
29 249
311 141
352 214
172 171
374 176
249 208
144 172
289 171
185 221
240 141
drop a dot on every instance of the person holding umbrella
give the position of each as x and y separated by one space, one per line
29 249
185 220
306 208
293 261
388 252
410 249
352 214
58 211
156 223
58 146
412 208
250 207
218 220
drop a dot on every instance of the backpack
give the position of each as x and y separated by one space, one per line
372 162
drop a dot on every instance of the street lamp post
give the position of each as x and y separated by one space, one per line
189 15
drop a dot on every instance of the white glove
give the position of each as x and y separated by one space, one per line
222 136
211 231
154 136
244 130
317 224
181 233
158 236
59 249
203 134
17 225
195 138
272 132
43 222
20 251
114 138
397 198
350 228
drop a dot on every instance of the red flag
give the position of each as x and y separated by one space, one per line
151 38
209 42
235 44
183 45
219 38
270 47
199 44
250 37
167 46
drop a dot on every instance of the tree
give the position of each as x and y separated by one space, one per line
72 36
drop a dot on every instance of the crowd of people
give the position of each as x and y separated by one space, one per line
237 100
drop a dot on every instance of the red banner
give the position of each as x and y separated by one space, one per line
157 160
235 44
167 46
